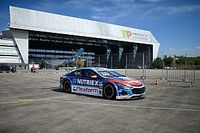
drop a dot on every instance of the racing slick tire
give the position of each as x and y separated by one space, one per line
109 92
67 86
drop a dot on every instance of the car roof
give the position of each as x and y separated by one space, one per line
95 68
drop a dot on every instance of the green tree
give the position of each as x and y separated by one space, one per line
181 60
168 61
158 63
197 60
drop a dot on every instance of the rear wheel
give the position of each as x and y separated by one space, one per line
67 86
109 92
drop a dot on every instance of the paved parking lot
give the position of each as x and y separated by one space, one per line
31 103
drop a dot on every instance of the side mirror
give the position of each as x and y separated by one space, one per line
94 77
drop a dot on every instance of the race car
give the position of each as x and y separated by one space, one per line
102 82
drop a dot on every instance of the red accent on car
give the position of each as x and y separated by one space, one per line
126 82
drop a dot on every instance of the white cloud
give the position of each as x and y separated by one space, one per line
78 3
171 10
180 52
51 6
187 49
115 10
101 9
152 0
182 9
198 47
172 49
137 11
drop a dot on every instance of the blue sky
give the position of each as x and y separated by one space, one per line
174 23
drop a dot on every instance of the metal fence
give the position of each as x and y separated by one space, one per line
182 74
124 61
135 66
114 61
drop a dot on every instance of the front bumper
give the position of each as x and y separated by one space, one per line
131 93
131 96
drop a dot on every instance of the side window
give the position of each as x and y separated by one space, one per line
89 73
77 73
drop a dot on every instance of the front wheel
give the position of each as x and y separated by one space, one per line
109 92
67 86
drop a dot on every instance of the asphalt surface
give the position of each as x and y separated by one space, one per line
32 103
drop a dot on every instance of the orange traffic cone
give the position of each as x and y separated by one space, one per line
156 82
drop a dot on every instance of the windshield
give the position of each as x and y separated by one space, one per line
110 74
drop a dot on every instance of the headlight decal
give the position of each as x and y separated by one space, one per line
124 89
122 86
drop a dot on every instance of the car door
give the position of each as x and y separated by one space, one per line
88 83
75 81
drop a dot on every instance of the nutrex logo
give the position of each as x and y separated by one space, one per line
87 82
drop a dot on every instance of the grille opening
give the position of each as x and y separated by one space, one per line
138 90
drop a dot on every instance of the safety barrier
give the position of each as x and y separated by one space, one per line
184 75
181 75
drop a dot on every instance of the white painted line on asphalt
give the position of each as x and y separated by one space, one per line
56 99
29 100
129 106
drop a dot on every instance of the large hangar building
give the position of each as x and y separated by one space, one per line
35 35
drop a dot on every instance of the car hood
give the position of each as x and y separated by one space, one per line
126 81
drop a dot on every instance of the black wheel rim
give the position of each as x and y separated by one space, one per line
109 92
67 86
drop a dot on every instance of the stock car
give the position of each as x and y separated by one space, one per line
102 82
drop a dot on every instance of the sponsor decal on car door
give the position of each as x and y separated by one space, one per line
86 86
